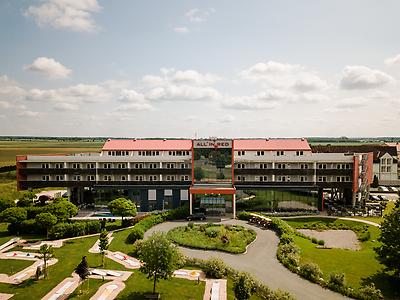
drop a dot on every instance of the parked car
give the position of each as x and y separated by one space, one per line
383 189
196 216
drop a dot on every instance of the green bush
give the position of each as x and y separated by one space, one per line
314 240
76 228
286 239
369 292
245 216
243 286
32 211
281 227
321 242
178 213
25 227
136 233
136 248
215 268
212 232
311 272
364 236
190 225
337 281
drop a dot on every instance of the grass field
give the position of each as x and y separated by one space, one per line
358 266
9 149
379 220
13 266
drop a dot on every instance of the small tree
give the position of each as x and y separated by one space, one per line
198 173
389 251
375 182
159 256
62 209
122 207
46 220
82 269
46 252
26 199
243 286
103 245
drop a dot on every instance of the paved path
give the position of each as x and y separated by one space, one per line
260 260
333 217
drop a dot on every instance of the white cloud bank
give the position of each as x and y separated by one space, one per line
75 15
394 60
361 77
49 67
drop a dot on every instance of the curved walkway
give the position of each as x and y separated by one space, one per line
260 260
333 217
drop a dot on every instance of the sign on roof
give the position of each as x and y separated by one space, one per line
212 143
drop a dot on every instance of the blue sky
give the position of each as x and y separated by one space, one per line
205 68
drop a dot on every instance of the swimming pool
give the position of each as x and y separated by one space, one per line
102 214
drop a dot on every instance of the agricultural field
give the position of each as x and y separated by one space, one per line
9 149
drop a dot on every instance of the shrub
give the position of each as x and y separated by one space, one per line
136 233
369 292
93 227
136 248
32 211
178 213
364 236
25 227
337 281
281 227
321 242
311 272
245 216
286 239
212 232
190 224
314 240
72 229
215 268
243 286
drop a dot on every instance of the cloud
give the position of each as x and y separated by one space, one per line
63 106
312 98
75 15
394 60
282 75
130 96
49 67
227 119
196 15
28 113
180 77
10 90
4 105
351 103
361 77
265 100
182 29
173 92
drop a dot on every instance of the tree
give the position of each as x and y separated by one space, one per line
159 256
82 269
122 207
45 252
6 203
198 173
375 182
389 251
26 199
103 244
46 220
243 286
62 209
14 215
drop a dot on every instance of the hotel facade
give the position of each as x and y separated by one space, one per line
162 173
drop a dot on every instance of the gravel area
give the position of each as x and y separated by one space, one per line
344 239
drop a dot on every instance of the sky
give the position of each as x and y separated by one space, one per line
204 68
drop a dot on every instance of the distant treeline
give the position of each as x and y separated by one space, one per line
8 169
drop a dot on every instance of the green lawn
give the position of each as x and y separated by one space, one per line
201 236
87 290
118 242
231 294
137 285
358 266
13 266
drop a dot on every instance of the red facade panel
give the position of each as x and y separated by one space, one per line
272 144
148 145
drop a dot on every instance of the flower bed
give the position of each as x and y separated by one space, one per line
228 238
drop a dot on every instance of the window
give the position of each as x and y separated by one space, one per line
107 178
321 166
153 166
338 178
280 166
280 153
348 178
122 166
170 166
241 178
123 178
59 165
170 178
76 178
299 153
303 166
183 166
321 178
153 178
241 166
138 166
76 166
46 178
388 169
303 178
240 153
45 166
263 166
263 178
90 178
90 166
59 177
260 153
139 178
107 166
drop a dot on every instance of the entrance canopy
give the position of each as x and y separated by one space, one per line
212 189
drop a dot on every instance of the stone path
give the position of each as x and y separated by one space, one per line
333 217
260 260
215 289
344 239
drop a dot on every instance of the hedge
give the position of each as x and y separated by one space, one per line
72 229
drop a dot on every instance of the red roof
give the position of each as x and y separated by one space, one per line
272 144
147 145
